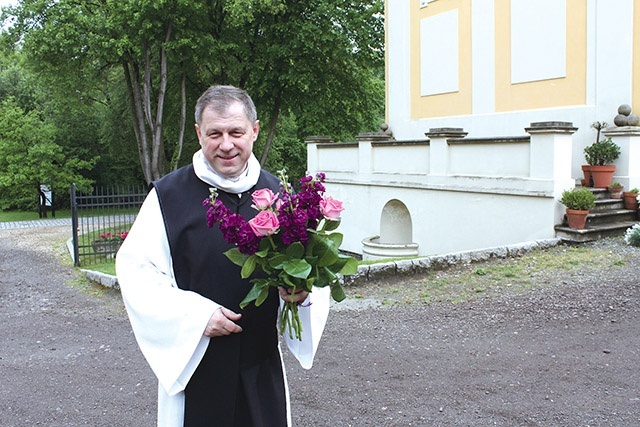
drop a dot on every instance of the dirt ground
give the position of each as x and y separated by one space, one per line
561 350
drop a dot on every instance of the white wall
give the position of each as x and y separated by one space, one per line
609 78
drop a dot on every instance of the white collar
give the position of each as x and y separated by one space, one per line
238 185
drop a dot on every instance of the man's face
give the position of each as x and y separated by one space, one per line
227 139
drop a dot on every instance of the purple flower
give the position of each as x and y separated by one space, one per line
248 242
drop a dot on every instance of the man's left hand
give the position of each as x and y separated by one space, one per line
298 296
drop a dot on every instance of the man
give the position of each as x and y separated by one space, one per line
217 365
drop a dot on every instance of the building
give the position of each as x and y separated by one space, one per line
490 104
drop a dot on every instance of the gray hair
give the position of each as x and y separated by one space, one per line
219 98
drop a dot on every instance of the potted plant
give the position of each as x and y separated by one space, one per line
631 199
615 190
109 243
578 201
587 181
600 156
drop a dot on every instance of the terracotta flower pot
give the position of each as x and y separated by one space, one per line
576 218
586 171
602 175
615 192
630 200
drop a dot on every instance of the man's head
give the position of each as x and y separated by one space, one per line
227 127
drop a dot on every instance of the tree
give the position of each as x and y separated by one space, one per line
319 61
316 62
30 157
84 41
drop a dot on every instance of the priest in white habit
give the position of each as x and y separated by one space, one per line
217 365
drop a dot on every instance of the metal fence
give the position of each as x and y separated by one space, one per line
102 220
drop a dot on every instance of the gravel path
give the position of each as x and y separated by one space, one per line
563 350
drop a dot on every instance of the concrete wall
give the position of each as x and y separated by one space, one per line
455 190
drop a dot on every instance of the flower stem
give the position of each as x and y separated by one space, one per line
290 320
273 244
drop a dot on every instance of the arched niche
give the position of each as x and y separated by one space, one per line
396 233
395 223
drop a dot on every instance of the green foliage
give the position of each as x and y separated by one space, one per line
312 68
287 150
29 156
603 152
578 198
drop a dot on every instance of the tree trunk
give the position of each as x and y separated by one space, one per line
158 157
183 120
139 128
146 126
272 129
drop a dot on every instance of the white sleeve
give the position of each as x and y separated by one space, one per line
313 314
168 322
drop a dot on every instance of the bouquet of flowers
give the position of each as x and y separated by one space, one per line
291 239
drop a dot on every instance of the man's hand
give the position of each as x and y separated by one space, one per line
222 322
298 297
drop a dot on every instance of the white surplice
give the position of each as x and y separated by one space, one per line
169 322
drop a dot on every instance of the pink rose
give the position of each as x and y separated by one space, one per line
265 223
263 198
331 208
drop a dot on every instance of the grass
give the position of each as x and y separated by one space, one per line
462 283
106 267
7 216
10 216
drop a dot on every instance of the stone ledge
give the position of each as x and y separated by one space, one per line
104 279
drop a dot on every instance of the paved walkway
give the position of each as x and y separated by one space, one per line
35 223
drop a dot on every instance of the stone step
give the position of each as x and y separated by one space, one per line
608 204
600 193
611 216
592 232
607 218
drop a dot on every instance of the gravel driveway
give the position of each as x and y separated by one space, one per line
559 347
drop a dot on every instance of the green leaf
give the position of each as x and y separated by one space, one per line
330 225
236 257
262 254
249 267
337 293
264 247
351 266
277 260
326 250
336 238
297 268
287 281
263 296
253 294
295 250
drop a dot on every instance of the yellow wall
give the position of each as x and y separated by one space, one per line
447 104
569 90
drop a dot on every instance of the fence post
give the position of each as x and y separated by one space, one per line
74 225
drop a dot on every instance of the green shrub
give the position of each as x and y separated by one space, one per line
601 153
578 198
